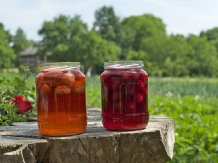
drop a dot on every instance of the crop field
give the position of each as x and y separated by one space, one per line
191 102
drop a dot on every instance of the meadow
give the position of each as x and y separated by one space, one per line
191 102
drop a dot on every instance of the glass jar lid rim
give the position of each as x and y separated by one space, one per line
124 64
56 65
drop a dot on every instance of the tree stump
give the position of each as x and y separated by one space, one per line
22 143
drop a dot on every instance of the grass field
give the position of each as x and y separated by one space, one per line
191 102
201 87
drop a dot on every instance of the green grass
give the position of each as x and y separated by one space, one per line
191 102
195 126
10 70
201 87
10 76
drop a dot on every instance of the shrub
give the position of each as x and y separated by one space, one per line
17 98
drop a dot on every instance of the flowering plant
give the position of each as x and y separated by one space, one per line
17 98
22 105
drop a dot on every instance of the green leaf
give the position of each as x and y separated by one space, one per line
17 80
29 73
30 99
18 119
24 68
33 89
1 80
37 69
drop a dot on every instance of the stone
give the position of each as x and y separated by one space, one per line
22 143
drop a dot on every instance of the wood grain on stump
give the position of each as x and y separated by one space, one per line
22 143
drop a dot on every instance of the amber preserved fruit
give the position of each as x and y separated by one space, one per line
124 91
61 102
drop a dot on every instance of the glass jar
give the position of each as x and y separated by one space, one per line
124 90
61 102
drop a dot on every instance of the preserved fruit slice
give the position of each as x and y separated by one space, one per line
68 79
45 90
62 90
78 88
53 77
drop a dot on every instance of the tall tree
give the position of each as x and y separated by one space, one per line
169 56
139 55
20 42
8 36
7 55
63 38
211 34
205 55
97 50
179 57
68 39
145 26
106 23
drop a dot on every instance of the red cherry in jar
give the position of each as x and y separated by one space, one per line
125 101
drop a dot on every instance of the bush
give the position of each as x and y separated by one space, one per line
195 127
17 99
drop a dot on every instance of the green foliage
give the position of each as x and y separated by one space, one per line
7 55
192 104
75 43
145 26
8 36
211 34
93 97
20 42
110 28
195 126
97 50
205 56
139 55
9 88
93 93
141 37
63 38
106 23
201 87
11 46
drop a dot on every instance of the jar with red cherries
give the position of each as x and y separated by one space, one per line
124 91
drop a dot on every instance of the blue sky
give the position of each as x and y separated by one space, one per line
180 16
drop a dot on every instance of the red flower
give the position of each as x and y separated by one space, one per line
22 105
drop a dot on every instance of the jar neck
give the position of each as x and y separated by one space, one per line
60 65
129 64
124 69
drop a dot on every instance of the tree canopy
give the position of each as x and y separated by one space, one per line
20 42
141 37
68 39
7 55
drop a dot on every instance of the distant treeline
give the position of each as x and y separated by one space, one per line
111 38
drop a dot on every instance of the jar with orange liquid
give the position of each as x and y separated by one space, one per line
61 102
